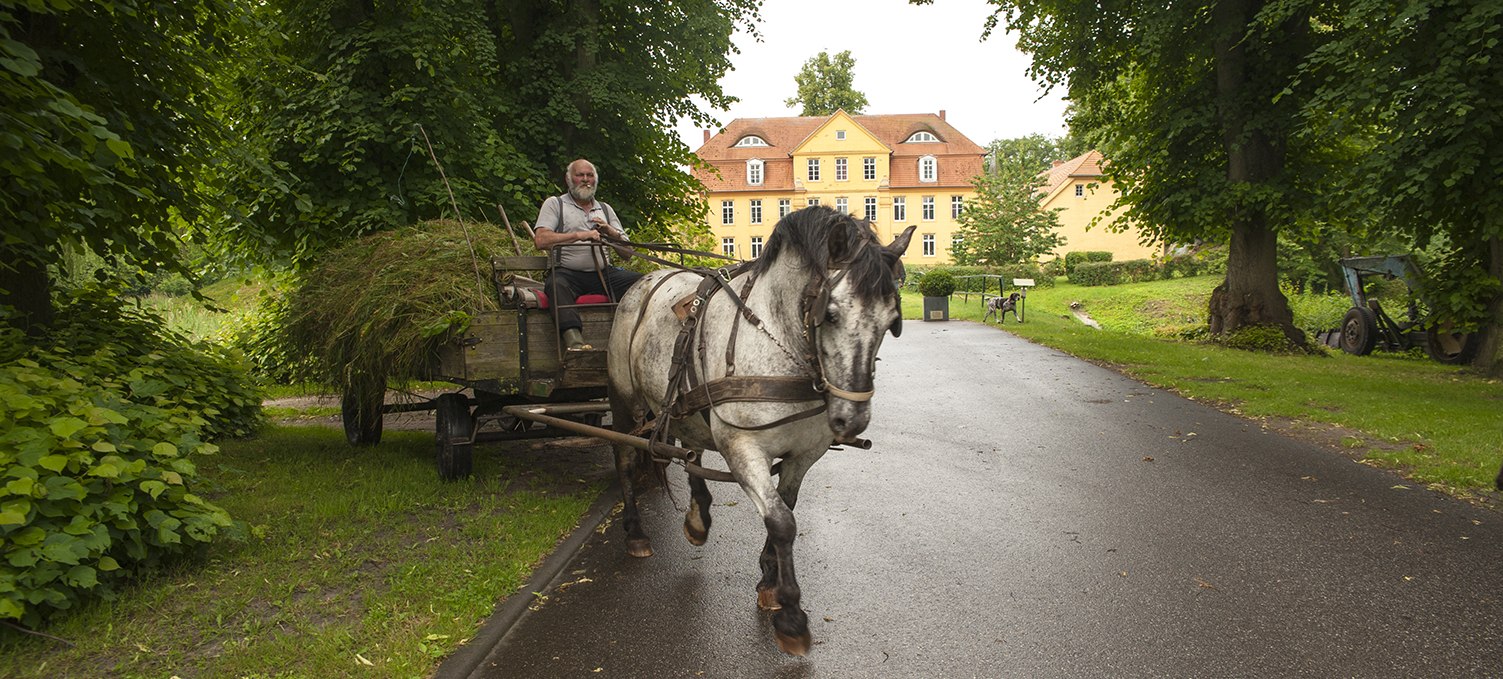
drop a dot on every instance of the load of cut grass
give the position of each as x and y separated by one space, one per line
375 311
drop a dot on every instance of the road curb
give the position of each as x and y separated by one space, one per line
467 658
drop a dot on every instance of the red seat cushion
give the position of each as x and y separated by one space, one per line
583 299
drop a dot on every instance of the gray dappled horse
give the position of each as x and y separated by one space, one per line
758 374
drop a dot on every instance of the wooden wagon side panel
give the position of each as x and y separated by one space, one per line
498 347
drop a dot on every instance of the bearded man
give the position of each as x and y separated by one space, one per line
576 217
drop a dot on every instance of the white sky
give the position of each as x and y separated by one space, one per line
909 59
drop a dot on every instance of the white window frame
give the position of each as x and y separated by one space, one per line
842 172
727 212
928 245
755 210
785 205
869 168
755 171
1080 190
812 202
756 246
728 246
922 137
927 213
871 208
812 169
899 209
752 140
957 203
928 169
842 205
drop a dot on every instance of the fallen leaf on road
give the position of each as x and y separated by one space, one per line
1147 458
1203 584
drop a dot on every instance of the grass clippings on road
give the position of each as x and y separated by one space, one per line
354 562
1436 424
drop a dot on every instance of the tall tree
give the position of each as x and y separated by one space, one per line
1034 152
1005 223
508 92
105 128
827 84
1191 102
1425 77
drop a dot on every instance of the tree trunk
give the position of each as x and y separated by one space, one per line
1255 155
1489 358
25 286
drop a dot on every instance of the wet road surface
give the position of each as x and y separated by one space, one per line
1008 522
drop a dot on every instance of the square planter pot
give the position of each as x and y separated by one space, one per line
936 308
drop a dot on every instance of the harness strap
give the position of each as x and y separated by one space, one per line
789 389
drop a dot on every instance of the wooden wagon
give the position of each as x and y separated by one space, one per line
524 384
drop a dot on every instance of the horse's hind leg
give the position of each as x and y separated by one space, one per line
697 519
628 469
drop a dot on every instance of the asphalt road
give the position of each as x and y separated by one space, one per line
1009 522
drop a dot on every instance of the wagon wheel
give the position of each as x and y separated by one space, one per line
1451 348
360 411
455 436
1359 331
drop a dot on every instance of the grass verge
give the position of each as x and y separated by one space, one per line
354 561
1434 423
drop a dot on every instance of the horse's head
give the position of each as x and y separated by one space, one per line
856 306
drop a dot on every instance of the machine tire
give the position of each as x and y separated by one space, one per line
360 411
455 430
1359 331
1451 348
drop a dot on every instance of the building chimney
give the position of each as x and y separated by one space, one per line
707 136
941 114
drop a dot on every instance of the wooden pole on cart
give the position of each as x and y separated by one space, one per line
507 223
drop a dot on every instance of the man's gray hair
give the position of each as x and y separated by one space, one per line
569 172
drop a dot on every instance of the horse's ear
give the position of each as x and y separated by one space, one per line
899 245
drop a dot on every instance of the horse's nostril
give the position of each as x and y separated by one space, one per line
839 423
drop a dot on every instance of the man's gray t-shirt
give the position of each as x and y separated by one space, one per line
575 219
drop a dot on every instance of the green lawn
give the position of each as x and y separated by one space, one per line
354 562
1436 424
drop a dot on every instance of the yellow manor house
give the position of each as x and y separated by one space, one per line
893 170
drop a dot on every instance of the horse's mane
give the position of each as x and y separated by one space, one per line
822 237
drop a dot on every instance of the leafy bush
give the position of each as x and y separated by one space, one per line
1074 259
261 337
937 283
1113 273
1202 261
1316 312
1262 338
964 280
103 420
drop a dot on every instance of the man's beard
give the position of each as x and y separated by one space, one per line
582 193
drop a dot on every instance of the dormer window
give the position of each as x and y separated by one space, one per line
751 140
928 169
754 169
922 137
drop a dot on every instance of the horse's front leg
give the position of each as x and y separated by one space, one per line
697 519
778 590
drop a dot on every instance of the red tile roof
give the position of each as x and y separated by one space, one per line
960 159
1086 165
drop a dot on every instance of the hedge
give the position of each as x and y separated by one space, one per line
1113 273
1075 259
102 422
1040 277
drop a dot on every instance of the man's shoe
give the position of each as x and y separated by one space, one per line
574 340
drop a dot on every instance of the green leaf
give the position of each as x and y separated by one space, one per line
81 576
153 488
66 427
20 486
106 470
164 449
13 512
103 447
54 463
108 564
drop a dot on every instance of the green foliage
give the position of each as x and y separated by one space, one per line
508 93
1315 312
1034 153
971 278
103 424
105 128
1004 222
1264 338
1074 259
1115 273
379 306
937 283
1196 262
827 84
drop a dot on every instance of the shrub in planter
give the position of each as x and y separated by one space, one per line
937 283
97 476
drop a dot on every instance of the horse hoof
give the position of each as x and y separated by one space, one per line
695 538
767 599
640 548
794 645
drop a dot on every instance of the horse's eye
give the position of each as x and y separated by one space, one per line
830 317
